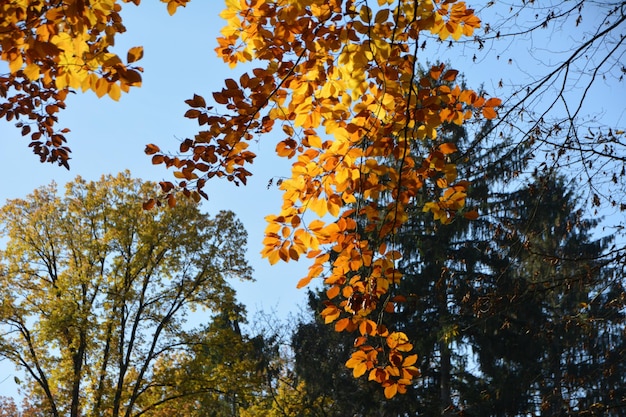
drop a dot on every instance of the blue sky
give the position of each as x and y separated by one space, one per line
108 137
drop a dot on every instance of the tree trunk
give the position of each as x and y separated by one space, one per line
445 400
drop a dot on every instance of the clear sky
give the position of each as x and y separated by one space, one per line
108 137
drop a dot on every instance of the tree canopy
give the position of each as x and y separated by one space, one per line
96 292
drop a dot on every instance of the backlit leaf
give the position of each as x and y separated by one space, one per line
391 390
448 148
134 54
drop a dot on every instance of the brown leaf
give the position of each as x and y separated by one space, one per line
134 54
151 149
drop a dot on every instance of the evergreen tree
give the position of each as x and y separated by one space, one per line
437 281
550 305
513 313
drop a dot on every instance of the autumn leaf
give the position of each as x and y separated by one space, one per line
447 148
52 49
391 390
134 54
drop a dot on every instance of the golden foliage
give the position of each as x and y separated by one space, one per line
53 47
341 80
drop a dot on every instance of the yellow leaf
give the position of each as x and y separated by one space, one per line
359 370
334 205
314 141
101 87
396 339
114 91
171 7
319 206
32 71
16 63
330 314
234 5
273 257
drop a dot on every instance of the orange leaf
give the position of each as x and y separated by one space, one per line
409 360
493 102
303 282
341 325
391 390
450 75
134 54
171 7
489 113
378 375
435 72
359 341
332 292
447 148
471 215
367 327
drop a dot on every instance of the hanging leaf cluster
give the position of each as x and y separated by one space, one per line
339 79
54 47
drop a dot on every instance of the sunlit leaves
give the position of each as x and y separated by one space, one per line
172 5
134 54
399 370
90 270
341 82
52 48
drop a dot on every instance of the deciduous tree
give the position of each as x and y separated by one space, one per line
95 292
